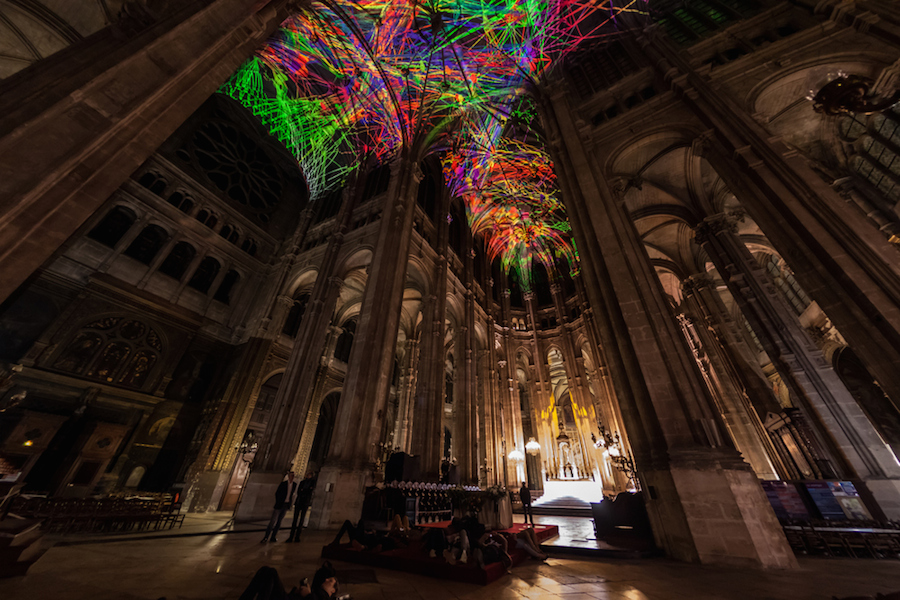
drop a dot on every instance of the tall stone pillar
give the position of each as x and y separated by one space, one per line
209 475
860 451
743 423
840 259
427 430
606 406
586 418
492 408
308 436
84 119
408 382
278 448
465 437
731 356
704 502
360 419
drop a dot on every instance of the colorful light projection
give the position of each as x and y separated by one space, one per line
344 82
512 200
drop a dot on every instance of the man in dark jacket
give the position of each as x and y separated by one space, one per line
284 496
301 505
525 496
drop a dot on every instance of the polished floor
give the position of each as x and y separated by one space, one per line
201 561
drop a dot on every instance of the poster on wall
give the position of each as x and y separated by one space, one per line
823 498
848 497
785 500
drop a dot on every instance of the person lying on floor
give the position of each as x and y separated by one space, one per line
364 538
490 548
267 585
527 540
452 543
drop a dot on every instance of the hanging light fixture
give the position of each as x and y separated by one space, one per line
516 455
532 447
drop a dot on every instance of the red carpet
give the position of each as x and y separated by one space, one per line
413 559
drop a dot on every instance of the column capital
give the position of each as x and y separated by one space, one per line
285 301
693 284
704 143
716 224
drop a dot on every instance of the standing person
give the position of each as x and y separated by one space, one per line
525 496
284 495
301 505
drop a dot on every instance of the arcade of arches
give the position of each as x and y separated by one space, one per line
736 316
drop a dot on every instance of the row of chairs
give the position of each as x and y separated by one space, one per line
808 540
64 515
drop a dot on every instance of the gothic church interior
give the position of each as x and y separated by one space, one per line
690 287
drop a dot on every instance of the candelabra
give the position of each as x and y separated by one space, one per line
248 446
612 444
851 94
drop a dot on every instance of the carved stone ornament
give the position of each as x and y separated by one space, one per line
716 224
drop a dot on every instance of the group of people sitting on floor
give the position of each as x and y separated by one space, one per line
464 540
267 585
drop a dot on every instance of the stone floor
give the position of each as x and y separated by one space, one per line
208 564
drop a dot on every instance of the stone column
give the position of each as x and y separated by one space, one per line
859 449
408 384
607 406
208 477
367 385
278 448
742 421
840 259
465 438
428 431
733 359
581 396
704 502
86 118
301 462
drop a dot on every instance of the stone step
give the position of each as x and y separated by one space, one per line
20 545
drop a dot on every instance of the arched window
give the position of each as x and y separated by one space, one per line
147 244
229 233
223 294
207 218
345 342
113 350
147 179
114 225
249 246
295 316
876 139
181 202
324 430
178 260
205 274
153 182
